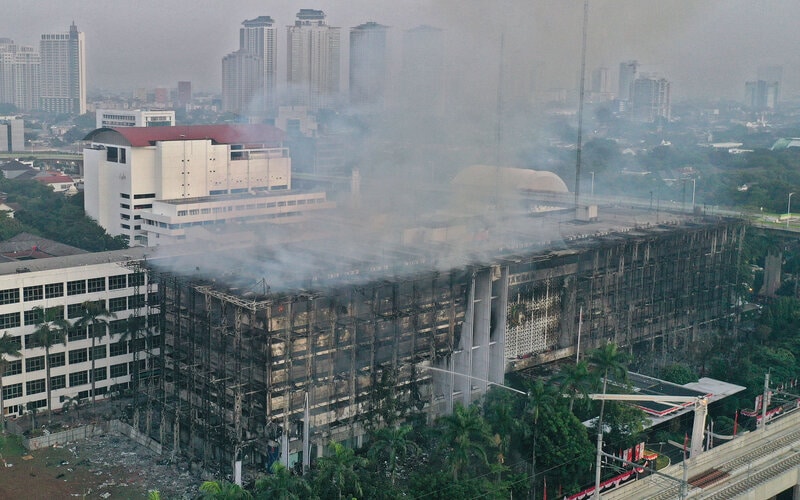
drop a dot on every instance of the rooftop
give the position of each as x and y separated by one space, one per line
265 135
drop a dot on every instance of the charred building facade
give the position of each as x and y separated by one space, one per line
250 372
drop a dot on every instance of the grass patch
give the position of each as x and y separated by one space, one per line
11 446
661 462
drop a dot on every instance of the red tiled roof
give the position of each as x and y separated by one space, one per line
221 134
52 179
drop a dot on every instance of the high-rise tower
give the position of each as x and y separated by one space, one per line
627 74
259 37
313 53
19 75
242 81
368 64
650 98
63 72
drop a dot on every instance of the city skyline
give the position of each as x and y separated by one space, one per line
707 50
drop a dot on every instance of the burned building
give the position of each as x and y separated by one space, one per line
272 351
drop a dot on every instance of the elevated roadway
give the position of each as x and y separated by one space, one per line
757 465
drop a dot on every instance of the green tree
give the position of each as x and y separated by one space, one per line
93 318
678 373
9 346
501 409
338 471
392 446
467 434
541 401
50 330
576 381
607 361
223 490
281 484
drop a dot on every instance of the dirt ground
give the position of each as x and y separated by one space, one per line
108 466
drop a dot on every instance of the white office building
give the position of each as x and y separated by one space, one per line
61 285
63 72
152 183
134 118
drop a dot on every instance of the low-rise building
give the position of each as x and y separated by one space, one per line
61 286
207 171
134 118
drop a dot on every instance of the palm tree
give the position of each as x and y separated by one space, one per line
541 400
223 490
51 330
94 315
282 485
9 346
392 444
576 380
501 410
606 360
70 404
339 470
468 435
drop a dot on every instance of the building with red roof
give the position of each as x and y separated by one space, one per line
147 182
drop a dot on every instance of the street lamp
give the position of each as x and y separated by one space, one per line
789 210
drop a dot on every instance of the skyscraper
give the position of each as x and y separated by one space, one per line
761 95
63 72
650 98
242 81
184 93
368 64
423 69
627 74
313 50
259 36
19 75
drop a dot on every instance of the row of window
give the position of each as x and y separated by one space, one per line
76 356
77 287
12 391
249 206
137 196
74 311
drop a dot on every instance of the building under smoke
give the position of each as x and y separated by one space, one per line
272 351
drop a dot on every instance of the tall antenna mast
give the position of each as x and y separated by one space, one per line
498 132
580 105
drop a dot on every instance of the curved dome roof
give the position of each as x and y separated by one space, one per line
509 178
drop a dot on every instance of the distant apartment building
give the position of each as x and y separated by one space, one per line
313 58
422 77
259 36
151 184
368 65
242 81
761 95
627 75
650 99
12 134
63 72
134 118
184 94
19 75
60 285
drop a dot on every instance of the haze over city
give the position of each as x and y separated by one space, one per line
707 49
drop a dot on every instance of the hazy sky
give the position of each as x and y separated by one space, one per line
705 47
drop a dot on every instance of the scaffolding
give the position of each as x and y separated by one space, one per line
244 373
